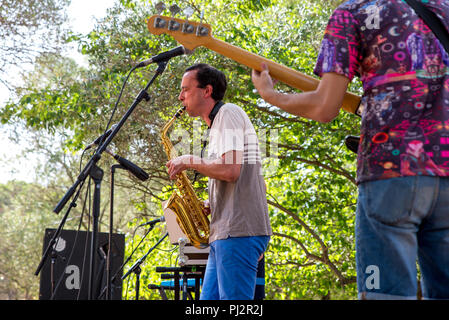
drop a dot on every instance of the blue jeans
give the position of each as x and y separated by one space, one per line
398 221
232 268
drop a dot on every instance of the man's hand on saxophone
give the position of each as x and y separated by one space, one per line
177 165
226 168
206 210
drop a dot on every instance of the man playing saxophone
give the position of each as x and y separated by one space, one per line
239 228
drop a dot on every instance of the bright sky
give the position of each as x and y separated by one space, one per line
81 14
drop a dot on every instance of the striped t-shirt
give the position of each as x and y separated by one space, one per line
238 209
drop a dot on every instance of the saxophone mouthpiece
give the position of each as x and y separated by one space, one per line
180 112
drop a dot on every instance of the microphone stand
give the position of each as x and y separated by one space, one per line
127 260
96 174
91 169
136 266
111 219
54 256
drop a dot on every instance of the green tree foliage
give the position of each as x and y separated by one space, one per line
27 29
309 173
22 215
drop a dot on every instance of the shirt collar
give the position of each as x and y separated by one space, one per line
214 111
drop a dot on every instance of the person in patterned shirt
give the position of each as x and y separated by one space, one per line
403 155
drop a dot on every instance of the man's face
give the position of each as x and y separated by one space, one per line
191 96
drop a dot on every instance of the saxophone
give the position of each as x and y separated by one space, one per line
188 208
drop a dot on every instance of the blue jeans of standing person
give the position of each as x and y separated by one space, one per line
398 221
232 268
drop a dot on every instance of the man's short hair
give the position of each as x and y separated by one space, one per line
208 75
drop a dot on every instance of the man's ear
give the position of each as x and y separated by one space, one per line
208 91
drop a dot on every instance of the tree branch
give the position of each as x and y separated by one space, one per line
317 163
324 257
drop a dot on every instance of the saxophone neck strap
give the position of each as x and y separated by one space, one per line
212 115
214 111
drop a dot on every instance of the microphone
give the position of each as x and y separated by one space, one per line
102 137
128 165
164 56
153 222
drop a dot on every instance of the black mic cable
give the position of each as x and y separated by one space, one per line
101 138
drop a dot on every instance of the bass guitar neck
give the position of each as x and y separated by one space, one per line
193 34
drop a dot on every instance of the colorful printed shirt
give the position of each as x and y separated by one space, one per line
405 74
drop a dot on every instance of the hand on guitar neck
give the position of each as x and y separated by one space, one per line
322 104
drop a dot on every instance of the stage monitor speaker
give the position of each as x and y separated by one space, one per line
65 273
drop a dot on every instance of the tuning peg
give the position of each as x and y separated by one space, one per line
160 6
188 12
201 30
174 9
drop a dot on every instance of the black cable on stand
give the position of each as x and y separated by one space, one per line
136 266
91 169
151 224
97 176
140 174
111 221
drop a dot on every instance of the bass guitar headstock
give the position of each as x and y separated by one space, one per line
190 34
